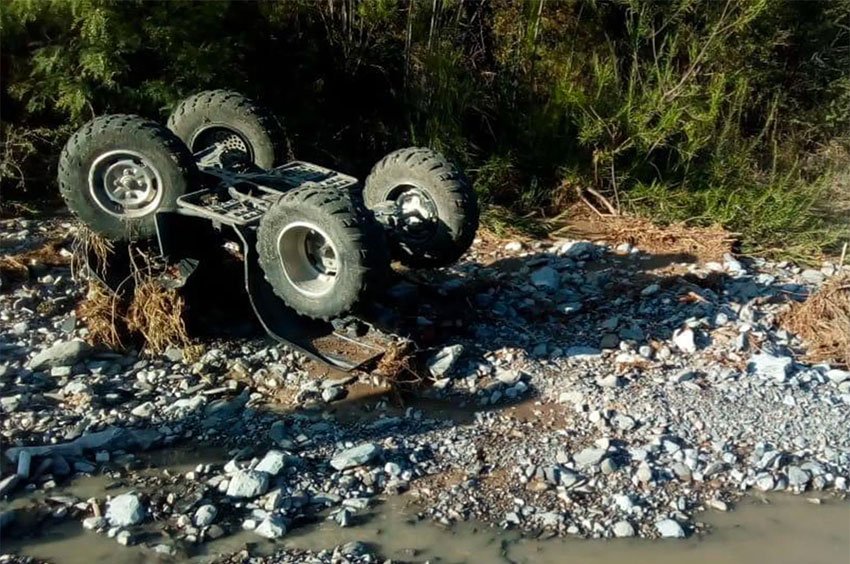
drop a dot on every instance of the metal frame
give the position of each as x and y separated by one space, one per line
233 204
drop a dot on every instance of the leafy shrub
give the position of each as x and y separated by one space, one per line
702 111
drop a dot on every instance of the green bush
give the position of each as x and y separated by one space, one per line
711 112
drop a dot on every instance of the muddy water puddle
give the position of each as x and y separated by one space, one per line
787 530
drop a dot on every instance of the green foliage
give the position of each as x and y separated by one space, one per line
707 111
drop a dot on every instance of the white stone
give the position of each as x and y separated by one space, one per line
623 529
670 529
356 456
125 510
769 366
247 484
205 515
272 463
684 340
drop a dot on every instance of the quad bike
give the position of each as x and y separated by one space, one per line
317 245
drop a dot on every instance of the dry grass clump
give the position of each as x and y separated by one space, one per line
156 313
88 247
102 312
704 243
823 323
143 311
399 369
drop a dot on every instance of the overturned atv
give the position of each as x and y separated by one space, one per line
316 244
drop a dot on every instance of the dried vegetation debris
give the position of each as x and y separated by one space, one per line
823 322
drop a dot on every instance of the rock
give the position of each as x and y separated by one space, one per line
681 471
717 504
344 517
609 341
125 510
650 290
110 439
95 523
624 422
24 462
333 393
546 278
271 528
683 376
644 473
272 463
205 515
765 482
508 377
513 247
670 529
279 433
610 381
441 363
583 353
215 532
577 249
769 366
797 477
837 376
589 457
623 529
684 339
143 410
125 538
247 484
356 456
63 353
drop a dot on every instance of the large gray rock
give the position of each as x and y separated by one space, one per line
769 366
63 353
205 515
546 278
272 463
442 362
125 510
114 438
247 484
271 528
623 529
670 529
356 456
589 456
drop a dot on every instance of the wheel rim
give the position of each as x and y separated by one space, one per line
125 184
417 217
309 258
228 139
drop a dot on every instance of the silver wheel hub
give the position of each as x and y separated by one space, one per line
223 138
417 213
125 184
309 258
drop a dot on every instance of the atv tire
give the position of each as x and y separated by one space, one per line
430 183
318 253
118 171
224 117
